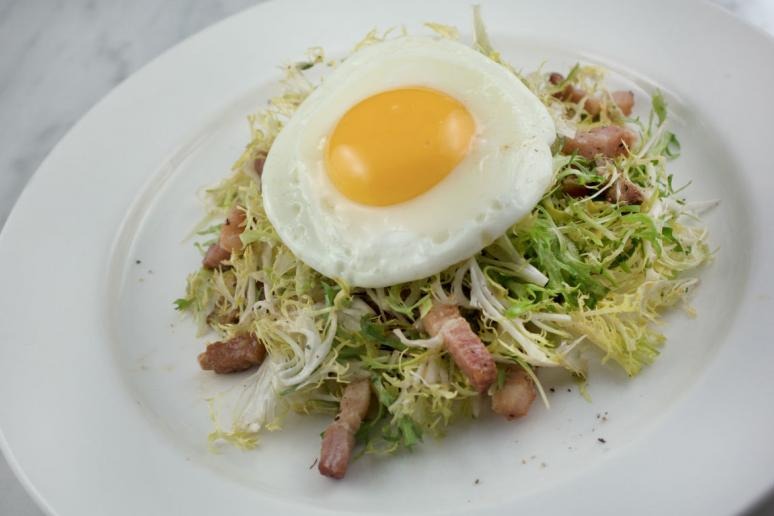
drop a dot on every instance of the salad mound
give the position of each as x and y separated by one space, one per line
586 275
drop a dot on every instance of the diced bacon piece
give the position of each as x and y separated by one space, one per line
464 346
575 94
609 141
624 100
231 229
258 163
623 191
228 240
215 255
434 320
515 397
339 438
592 105
233 355
573 188
555 78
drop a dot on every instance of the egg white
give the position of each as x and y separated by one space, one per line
506 172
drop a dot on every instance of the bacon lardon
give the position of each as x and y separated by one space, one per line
464 346
339 438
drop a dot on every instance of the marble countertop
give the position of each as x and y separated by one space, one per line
60 57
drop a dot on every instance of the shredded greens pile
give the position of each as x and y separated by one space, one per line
577 274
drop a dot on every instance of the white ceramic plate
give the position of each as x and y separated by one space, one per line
101 401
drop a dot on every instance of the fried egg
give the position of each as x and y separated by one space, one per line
412 155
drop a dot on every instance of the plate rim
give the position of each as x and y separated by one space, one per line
44 173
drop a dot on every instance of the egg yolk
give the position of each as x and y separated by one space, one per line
397 144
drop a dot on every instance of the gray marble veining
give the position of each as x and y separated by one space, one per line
58 58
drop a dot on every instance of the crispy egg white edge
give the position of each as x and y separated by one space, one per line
374 247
